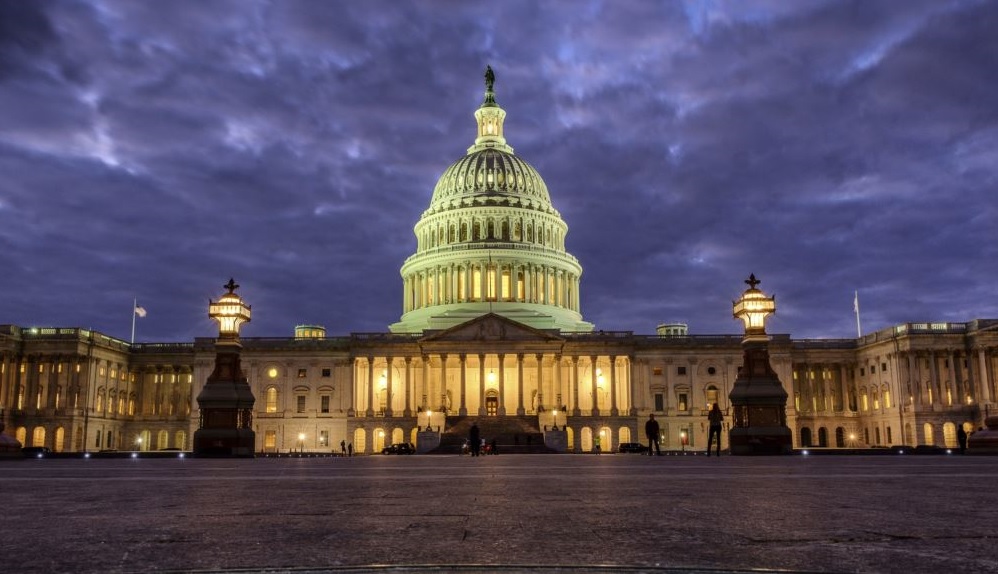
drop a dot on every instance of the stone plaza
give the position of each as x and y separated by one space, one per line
557 513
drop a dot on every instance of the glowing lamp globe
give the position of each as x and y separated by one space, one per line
230 311
753 308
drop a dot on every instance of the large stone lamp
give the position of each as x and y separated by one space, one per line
757 397
226 401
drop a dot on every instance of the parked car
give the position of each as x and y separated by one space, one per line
632 447
399 448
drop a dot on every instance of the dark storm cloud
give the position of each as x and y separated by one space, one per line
154 149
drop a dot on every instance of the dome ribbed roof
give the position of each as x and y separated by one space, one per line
491 177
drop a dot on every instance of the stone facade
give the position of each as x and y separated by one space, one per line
74 390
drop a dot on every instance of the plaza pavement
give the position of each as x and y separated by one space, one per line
625 513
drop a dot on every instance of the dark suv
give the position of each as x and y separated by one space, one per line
399 448
36 451
635 447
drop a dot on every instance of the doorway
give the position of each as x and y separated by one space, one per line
491 403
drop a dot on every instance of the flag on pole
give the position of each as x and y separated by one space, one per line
140 311
855 304
855 307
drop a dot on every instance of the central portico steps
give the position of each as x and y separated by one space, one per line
509 432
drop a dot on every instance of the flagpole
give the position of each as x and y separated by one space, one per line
135 303
855 306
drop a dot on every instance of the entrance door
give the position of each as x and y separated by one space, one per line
491 403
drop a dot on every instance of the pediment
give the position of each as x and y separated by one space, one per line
491 327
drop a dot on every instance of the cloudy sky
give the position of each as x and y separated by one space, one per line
153 149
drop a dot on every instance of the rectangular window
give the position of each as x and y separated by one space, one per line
270 439
682 401
327 373
323 438
657 371
301 403
325 403
302 373
680 370
883 366
659 402
862 372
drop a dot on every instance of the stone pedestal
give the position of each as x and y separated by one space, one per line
556 440
760 405
427 440
226 404
10 447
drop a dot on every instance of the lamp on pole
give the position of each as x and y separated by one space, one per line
301 442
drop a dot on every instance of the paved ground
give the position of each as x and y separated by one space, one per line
822 514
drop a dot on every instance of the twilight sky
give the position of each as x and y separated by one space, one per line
154 149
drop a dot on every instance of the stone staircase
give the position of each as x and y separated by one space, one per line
513 434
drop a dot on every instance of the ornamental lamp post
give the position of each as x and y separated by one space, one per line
226 401
758 398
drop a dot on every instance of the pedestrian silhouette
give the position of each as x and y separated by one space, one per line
343 446
350 449
716 419
651 431
475 439
961 438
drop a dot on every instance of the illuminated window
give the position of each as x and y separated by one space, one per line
887 404
102 371
711 396
656 371
865 402
302 373
272 372
77 368
683 402
506 284
928 431
38 437
476 284
271 396
323 438
270 439
58 368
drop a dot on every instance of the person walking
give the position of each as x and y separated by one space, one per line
475 439
716 419
596 445
961 438
651 431
343 447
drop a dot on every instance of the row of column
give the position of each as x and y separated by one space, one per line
548 388
925 383
457 283
825 387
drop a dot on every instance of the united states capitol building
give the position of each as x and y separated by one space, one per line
492 331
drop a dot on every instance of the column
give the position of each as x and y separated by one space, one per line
443 381
613 386
985 383
389 412
464 385
557 383
519 385
595 392
842 386
426 384
628 376
954 385
481 385
502 384
573 387
540 381
370 386
934 377
408 382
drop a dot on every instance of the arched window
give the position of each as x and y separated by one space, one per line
840 437
822 436
587 439
60 439
805 437
180 439
38 436
711 396
21 434
359 441
271 398
928 431
949 435
162 439
100 400
886 392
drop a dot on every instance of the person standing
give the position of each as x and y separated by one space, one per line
651 431
350 449
716 420
961 438
596 444
475 439
343 447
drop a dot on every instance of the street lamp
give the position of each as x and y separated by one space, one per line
554 414
429 415
301 442
682 440
138 442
